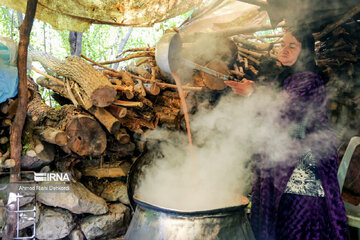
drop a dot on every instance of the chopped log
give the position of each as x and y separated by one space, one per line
33 160
94 83
126 78
139 71
253 69
79 93
85 136
140 89
111 172
122 136
111 123
257 62
128 103
4 140
212 82
5 161
36 108
6 122
246 63
30 153
52 135
134 122
251 53
117 111
167 101
4 156
105 118
4 107
38 146
8 163
152 88
168 115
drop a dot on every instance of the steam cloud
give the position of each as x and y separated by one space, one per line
225 139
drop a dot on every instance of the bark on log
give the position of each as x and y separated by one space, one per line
84 134
168 115
94 83
78 93
122 136
104 117
111 123
117 111
139 71
52 135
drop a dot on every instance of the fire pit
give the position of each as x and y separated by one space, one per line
154 222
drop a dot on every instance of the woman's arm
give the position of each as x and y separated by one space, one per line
245 87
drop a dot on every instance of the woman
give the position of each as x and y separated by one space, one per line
299 199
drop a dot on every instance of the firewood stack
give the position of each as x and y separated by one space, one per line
7 113
338 58
96 133
253 60
123 102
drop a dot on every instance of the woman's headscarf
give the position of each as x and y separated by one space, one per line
306 59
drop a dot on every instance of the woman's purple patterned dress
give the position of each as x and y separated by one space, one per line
276 215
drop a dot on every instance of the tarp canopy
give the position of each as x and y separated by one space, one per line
78 15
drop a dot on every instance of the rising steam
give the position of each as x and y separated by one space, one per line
225 139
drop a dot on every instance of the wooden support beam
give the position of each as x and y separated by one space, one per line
18 124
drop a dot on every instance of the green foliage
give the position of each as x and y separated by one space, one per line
25 148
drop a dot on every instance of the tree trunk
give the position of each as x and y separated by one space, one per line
122 45
75 40
94 83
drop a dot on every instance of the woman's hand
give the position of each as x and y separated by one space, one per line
245 87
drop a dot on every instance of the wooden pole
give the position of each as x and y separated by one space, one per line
18 124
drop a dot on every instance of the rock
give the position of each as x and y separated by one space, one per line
45 169
78 200
54 224
76 235
2 216
109 225
116 191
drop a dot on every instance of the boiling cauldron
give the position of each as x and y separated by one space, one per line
152 222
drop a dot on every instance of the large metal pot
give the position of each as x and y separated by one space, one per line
154 222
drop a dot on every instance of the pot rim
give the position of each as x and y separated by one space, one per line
143 204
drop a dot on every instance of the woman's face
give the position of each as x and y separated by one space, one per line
290 50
